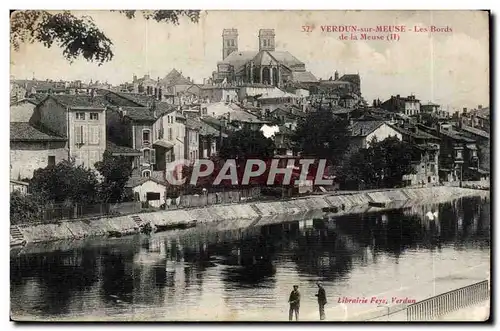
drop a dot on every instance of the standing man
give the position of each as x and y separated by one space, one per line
321 301
294 301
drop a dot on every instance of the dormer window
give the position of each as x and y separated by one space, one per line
80 116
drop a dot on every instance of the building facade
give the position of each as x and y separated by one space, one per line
409 106
32 149
80 119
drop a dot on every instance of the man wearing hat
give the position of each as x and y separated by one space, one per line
294 301
321 301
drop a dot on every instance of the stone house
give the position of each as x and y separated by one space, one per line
409 106
79 118
192 140
458 154
426 155
22 110
32 149
146 189
363 132
169 138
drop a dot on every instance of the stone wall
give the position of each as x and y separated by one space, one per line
250 213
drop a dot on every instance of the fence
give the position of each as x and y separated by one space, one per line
434 307
202 200
59 212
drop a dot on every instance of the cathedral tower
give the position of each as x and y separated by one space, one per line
266 40
229 42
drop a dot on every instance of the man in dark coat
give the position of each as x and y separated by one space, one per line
321 301
294 301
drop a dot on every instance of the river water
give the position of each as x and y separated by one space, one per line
222 272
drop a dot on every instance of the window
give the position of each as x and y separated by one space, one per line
94 134
232 42
170 134
474 153
146 156
153 196
80 116
79 135
146 173
145 136
264 42
94 116
51 161
458 153
153 157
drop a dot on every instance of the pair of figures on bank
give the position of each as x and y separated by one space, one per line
294 301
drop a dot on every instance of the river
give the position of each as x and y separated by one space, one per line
221 272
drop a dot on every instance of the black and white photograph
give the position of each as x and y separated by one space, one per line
250 166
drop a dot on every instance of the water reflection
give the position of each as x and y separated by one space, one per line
176 268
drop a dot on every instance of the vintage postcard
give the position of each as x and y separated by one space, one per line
199 165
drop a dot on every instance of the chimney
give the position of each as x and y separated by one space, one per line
336 75
465 110
480 107
134 78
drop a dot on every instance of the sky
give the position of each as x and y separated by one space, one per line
449 68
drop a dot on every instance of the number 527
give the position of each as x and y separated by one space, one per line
307 28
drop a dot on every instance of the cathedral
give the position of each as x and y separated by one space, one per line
265 66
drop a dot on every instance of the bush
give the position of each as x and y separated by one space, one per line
25 208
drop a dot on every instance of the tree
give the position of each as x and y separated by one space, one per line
247 144
322 135
78 36
116 171
25 208
383 164
65 182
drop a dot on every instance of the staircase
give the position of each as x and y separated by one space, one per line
16 235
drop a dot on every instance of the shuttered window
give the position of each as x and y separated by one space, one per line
80 134
153 156
95 134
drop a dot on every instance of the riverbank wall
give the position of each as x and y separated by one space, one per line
254 213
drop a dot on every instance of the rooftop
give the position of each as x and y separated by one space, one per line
364 128
303 77
419 134
137 181
121 150
476 131
22 131
139 113
81 101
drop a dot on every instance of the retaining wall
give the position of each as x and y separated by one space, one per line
259 212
